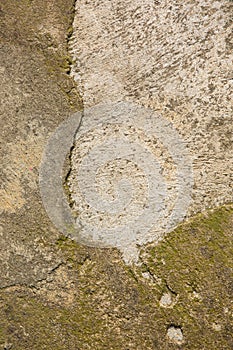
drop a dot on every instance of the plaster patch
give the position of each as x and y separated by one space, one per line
174 57
130 180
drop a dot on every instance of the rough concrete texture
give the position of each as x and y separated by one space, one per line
55 293
36 95
131 177
175 57
93 301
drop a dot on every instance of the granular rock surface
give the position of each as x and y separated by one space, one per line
57 294
175 57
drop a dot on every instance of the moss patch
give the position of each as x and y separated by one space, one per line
118 307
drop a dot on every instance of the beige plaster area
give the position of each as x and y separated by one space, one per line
174 57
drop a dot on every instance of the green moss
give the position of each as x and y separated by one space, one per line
116 308
65 63
195 261
69 31
69 248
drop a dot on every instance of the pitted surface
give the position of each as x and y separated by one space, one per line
57 294
173 57
131 177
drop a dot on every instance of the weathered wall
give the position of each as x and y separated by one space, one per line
55 293
36 95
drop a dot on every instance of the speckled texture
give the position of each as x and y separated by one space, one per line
93 301
36 95
175 57
131 177
54 293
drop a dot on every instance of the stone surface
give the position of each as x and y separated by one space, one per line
175 57
92 300
168 299
56 294
131 177
36 95
175 335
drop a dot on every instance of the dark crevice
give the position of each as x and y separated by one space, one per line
68 168
55 268
69 36
147 269
34 284
170 289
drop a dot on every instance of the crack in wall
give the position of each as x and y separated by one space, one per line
34 283
68 167
69 36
